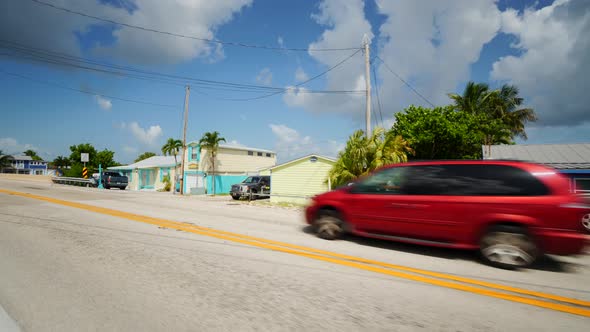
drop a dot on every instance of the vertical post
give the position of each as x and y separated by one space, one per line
100 186
368 83
186 95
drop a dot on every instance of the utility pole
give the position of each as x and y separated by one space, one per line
368 84
187 92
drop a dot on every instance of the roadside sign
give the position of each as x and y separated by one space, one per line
84 157
85 172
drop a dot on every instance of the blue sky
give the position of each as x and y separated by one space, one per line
437 46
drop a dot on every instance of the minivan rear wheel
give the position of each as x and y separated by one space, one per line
508 247
328 225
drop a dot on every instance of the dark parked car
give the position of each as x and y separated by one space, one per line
256 185
512 212
110 180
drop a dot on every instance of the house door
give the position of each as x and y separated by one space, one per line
194 182
147 178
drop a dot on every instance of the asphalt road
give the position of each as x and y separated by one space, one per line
145 265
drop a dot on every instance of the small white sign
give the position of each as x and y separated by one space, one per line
84 157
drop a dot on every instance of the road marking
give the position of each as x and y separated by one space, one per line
345 260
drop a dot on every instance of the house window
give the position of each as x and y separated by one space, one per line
259 154
250 153
194 154
164 172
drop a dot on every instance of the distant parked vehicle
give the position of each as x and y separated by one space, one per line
253 186
110 180
512 212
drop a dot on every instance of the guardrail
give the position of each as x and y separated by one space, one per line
73 181
251 196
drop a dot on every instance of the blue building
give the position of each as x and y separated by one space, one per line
25 165
572 160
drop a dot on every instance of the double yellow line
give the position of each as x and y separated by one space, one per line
519 295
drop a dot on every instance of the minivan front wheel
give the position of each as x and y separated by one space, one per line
328 225
508 247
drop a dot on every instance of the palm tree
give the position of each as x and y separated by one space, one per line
172 147
210 141
32 154
363 155
507 109
502 105
61 161
4 161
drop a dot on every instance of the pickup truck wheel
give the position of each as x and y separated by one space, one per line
235 197
508 247
329 226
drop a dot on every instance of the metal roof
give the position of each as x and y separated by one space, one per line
236 147
22 157
151 162
332 160
560 156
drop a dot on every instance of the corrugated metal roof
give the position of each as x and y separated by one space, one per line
151 162
561 156
22 157
332 160
235 147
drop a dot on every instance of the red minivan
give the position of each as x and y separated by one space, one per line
512 212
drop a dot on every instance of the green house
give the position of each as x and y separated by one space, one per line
298 180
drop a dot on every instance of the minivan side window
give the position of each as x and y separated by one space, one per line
473 180
388 181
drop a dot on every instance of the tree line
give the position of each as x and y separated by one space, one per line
478 117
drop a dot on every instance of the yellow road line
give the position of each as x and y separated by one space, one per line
344 260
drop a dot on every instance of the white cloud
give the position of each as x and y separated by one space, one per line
129 149
234 143
433 50
345 26
146 136
264 77
56 30
301 75
280 41
554 65
291 144
104 103
10 145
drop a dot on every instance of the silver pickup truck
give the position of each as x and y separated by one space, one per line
253 187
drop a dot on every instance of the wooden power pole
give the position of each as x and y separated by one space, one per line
368 84
187 92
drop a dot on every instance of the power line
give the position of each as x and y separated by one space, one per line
86 92
406 83
63 59
306 81
213 41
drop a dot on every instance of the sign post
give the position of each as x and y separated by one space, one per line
84 157
100 177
